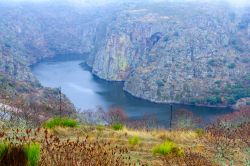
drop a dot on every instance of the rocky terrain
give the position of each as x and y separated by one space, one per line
180 53
163 51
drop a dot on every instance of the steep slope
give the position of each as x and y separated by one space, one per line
181 53
165 52
28 34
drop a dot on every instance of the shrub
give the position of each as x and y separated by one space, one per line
32 152
57 151
116 115
166 38
229 132
190 159
212 62
63 122
100 117
231 100
117 126
218 82
235 119
14 157
200 132
231 66
3 149
247 160
100 128
134 140
184 120
94 117
213 100
246 60
160 83
60 152
168 147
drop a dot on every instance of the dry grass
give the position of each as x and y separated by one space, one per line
195 145
148 139
198 149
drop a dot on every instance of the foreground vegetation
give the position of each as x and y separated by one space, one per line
67 141
62 122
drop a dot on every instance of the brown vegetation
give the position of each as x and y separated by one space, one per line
224 142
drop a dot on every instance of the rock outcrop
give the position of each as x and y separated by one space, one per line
192 53
181 53
241 103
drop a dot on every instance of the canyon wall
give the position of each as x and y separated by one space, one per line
178 53
165 52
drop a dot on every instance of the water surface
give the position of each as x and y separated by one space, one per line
87 92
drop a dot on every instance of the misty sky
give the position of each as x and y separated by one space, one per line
233 2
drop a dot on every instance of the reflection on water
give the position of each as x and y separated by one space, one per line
86 91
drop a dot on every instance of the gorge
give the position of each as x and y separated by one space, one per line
87 92
165 52
124 82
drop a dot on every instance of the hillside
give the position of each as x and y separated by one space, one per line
163 51
175 52
73 142
27 36
178 52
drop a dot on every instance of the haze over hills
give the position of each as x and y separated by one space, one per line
189 55
167 52
96 2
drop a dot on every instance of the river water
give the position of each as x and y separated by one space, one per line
87 92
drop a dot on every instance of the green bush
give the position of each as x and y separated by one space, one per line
200 132
218 82
117 126
245 60
212 62
135 140
166 148
160 83
231 66
3 149
231 100
100 128
63 122
32 152
213 100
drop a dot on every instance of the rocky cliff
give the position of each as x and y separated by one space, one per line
178 53
164 51
30 33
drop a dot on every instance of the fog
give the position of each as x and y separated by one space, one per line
99 2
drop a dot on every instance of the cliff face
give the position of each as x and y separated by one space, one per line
165 52
30 33
178 53
124 47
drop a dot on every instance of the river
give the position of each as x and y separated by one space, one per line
87 92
